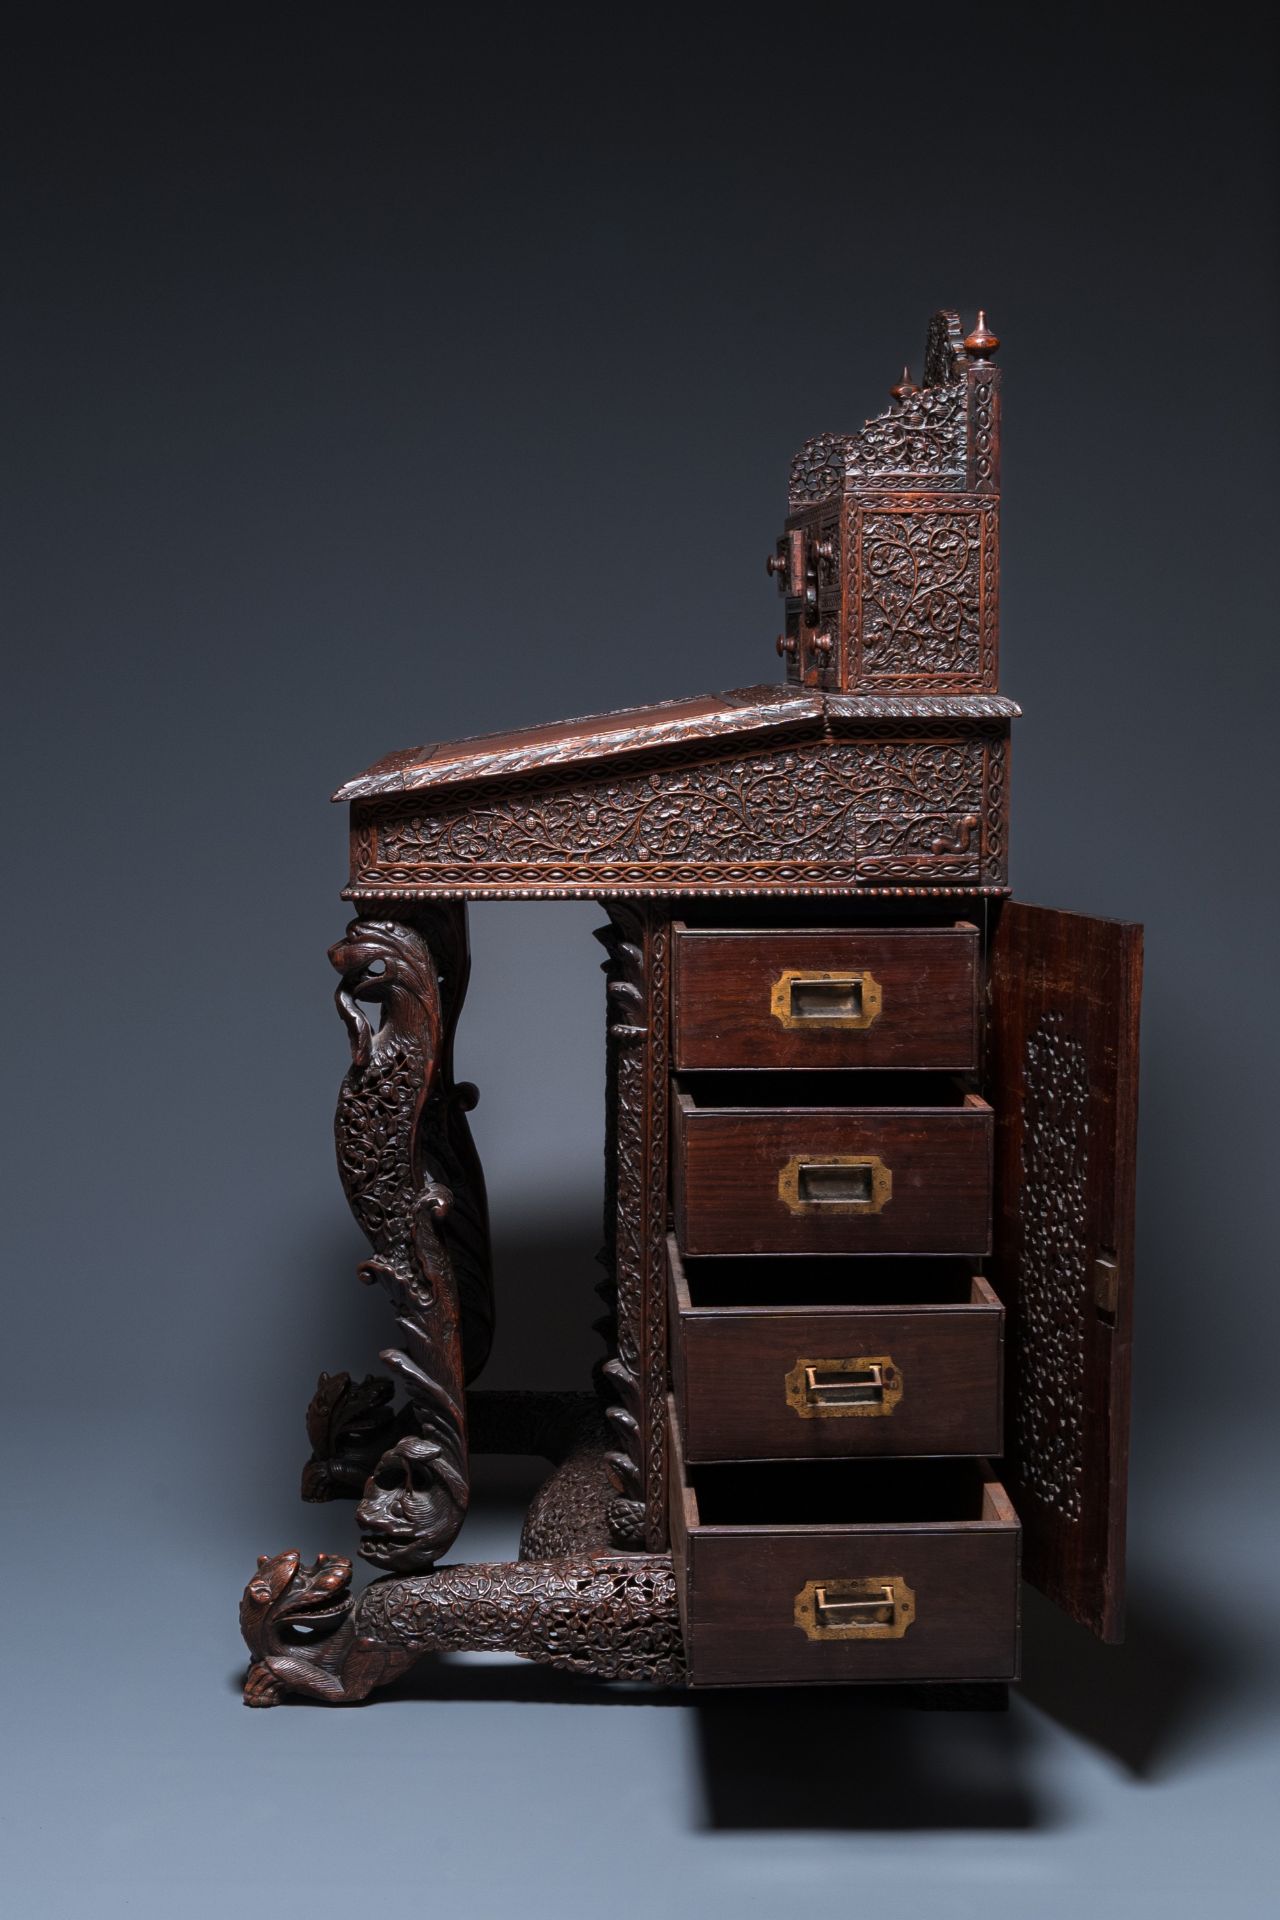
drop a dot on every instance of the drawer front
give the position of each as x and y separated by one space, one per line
832 1180
766 1609
786 1605
826 999
797 1383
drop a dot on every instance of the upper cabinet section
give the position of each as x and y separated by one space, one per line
889 564
880 767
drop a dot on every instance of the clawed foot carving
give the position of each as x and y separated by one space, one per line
261 1688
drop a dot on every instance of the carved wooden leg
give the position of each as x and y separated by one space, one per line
351 1425
445 1146
416 1498
637 941
606 1617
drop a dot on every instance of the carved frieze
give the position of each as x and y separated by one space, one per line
829 816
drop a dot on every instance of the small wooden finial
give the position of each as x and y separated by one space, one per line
905 386
981 343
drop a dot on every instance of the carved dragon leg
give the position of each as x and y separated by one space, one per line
607 1617
420 979
416 1496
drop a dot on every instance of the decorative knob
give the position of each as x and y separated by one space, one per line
981 343
776 563
785 644
821 643
824 549
904 386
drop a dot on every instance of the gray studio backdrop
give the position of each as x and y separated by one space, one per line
379 382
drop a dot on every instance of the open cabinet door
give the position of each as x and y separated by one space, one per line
1064 1084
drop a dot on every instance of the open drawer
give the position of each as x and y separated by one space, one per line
852 1571
830 1163
804 1358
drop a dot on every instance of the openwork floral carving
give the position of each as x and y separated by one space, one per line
1053 1272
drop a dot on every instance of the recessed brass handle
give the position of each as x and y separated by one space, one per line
815 1001
862 1387
835 1183
878 1608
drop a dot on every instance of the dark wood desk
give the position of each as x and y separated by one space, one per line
869 1206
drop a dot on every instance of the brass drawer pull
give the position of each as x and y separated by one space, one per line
873 1609
813 1000
835 1182
844 1389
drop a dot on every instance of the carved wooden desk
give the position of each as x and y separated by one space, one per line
869 1207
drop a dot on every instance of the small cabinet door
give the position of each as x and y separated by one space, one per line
1063 1080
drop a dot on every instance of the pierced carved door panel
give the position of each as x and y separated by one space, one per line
1064 1083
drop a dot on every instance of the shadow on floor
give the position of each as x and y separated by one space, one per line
1142 1700
847 1761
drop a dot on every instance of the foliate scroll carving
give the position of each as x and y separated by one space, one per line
817 471
921 441
637 942
1053 1283
604 1617
814 815
416 1498
920 598
922 584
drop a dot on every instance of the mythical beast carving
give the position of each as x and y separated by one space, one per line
416 1497
569 1602
608 1617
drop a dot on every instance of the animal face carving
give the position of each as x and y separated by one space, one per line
288 1604
384 965
412 1507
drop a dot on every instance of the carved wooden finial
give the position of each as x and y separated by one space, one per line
905 386
981 343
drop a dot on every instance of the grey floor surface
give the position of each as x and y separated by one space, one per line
1132 1781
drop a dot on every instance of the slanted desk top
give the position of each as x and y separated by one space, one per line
765 791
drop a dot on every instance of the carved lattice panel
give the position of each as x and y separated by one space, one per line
1063 1081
